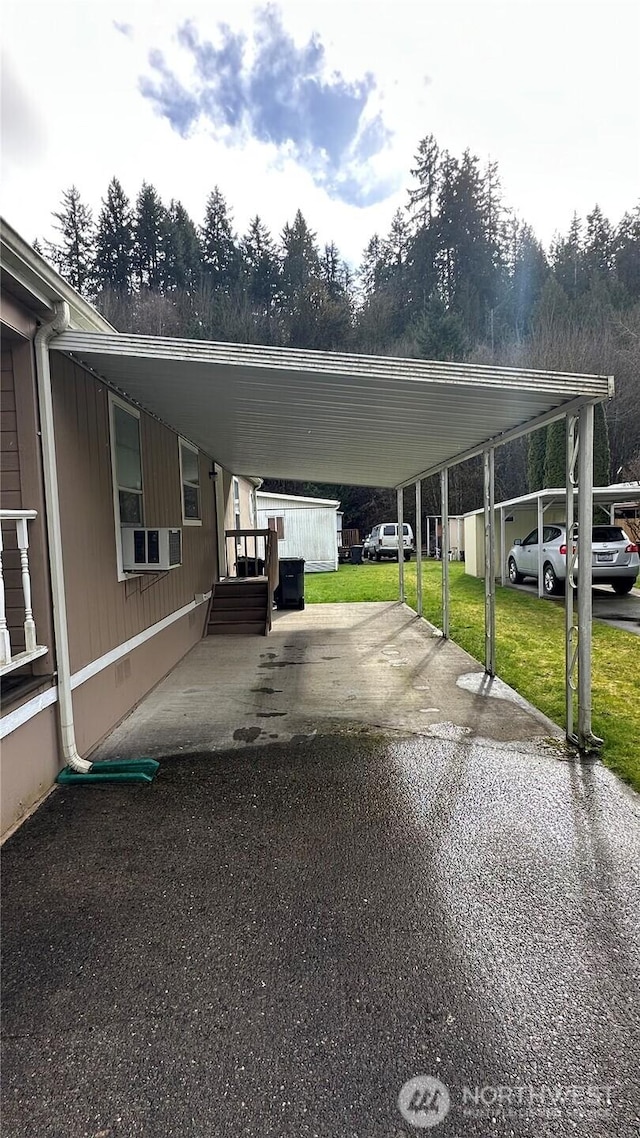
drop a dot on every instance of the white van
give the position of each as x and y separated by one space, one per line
383 541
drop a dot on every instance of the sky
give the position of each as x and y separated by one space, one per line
318 106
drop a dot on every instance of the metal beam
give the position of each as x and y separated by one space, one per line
419 547
489 565
573 406
503 553
400 499
444 550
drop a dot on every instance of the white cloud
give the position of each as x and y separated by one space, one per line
548 90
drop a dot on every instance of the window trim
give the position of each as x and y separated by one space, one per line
189 446
237 502
115 401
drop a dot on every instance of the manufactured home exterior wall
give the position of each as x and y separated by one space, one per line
309 531
124 636
102 611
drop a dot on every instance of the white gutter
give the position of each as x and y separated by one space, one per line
43 371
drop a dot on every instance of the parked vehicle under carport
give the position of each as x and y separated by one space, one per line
615 559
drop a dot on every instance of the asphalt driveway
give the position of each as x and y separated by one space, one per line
619 612
272 941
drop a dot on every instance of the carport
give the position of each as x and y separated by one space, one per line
372 421
539 505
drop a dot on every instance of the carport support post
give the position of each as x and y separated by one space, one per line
571 631
540 558
489 565
586 739
444 549
503 553
419 547
400 498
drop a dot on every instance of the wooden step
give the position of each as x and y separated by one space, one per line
244 628
237 615
235 601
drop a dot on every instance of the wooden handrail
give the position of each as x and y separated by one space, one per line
268 554
10 660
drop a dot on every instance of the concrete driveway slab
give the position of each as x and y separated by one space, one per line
333 666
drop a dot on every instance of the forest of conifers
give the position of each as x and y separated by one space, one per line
457 277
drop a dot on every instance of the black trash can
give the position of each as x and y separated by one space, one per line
289 593
356 555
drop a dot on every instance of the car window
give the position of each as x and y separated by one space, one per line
550 533
531 538
405 529
389 531
608 533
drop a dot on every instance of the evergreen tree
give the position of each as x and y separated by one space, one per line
260 265
182 261
300 257
371 268
439 334
536 450
555 454
220 255
422 199
598 251
73 254
627 254
149 227
568 260
530 272
114 242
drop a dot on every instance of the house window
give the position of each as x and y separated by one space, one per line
277 524
127 463
190 478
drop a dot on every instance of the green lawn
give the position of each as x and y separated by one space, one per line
529 648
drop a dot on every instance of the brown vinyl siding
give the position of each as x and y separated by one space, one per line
11 500
9 461
22 489
102 611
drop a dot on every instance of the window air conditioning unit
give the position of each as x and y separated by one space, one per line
150 550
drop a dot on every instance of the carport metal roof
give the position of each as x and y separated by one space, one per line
330 417
619 495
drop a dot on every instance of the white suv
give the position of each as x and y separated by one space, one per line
383 541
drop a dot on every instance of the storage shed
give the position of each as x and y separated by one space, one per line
306 527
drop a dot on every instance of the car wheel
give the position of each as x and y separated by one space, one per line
623 586
301 603
550 583
378 557
407 557
515 577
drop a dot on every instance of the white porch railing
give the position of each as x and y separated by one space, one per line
9 660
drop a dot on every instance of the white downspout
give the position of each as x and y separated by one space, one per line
52 502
